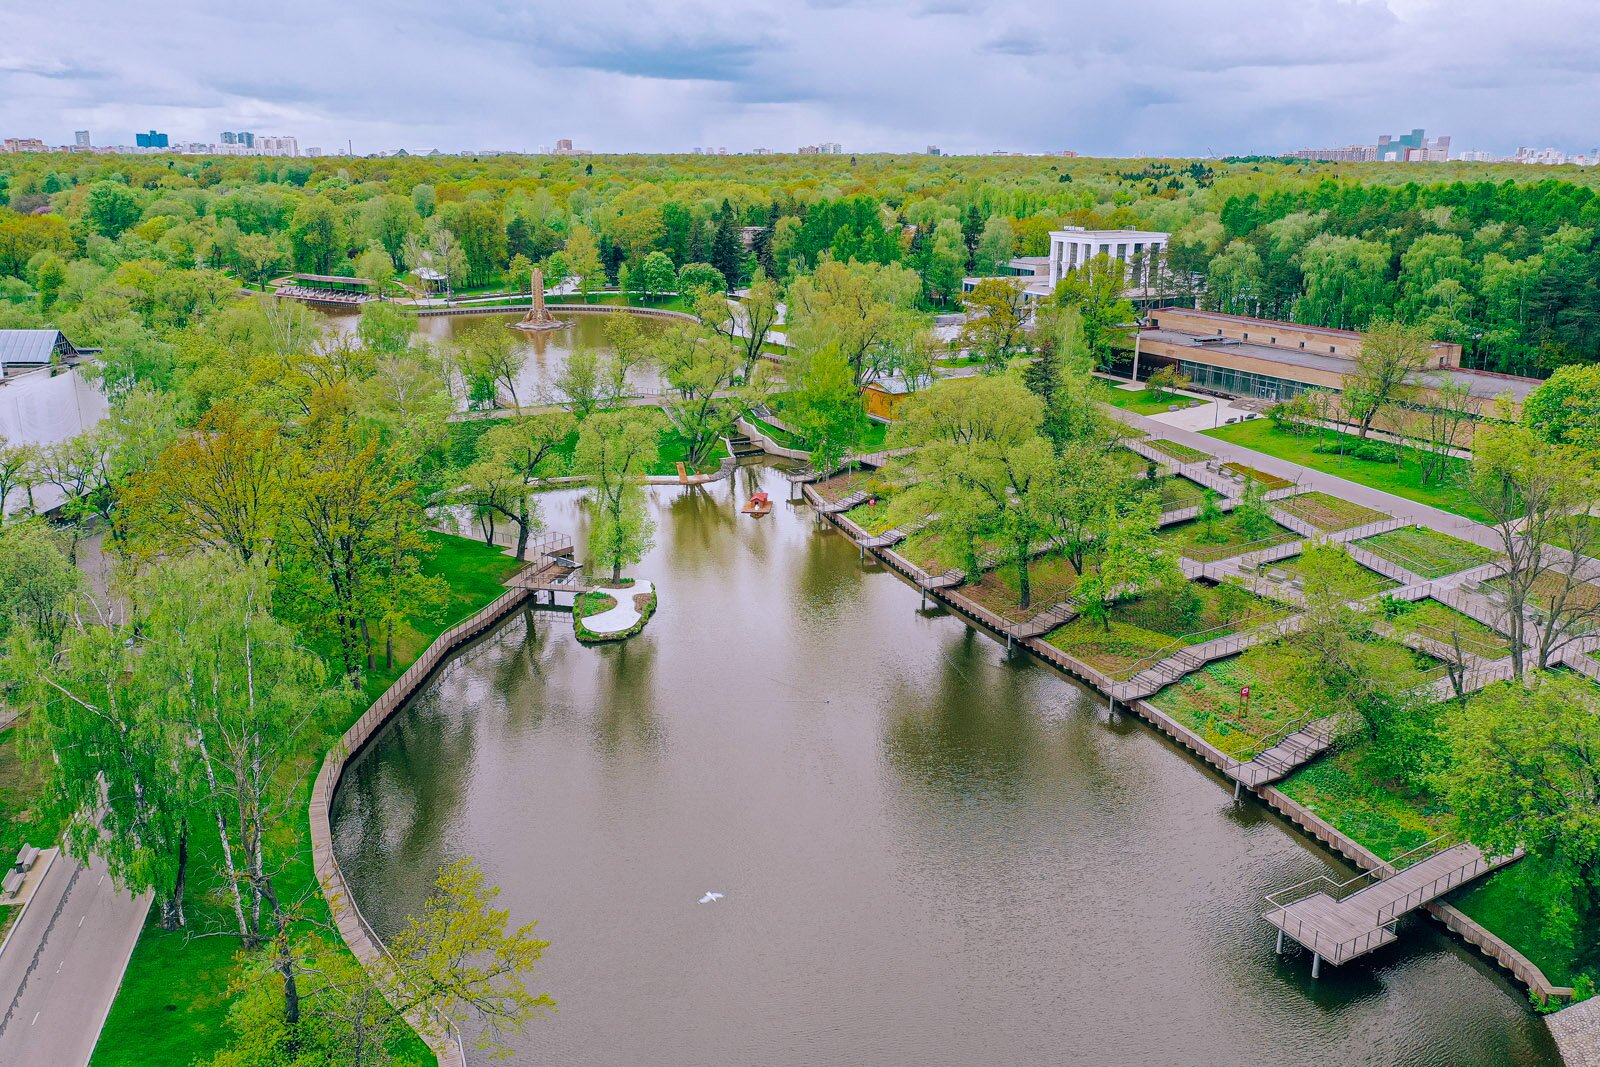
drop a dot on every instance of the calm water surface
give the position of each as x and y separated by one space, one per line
932 853
545 352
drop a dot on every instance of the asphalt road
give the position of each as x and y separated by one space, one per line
61 969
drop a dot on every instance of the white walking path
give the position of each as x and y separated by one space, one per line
624 615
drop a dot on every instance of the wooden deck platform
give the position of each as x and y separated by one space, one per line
1338 925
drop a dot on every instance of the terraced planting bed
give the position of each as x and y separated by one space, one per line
872 516
1226 538
1330 514
1179 492
1291 570
842 485
930 550
1050 577
1582 600
1144 631
1442 623
1426 553
1180 452
1209 703
1269 482
1349 790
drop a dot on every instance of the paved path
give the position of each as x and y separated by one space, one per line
621 617
1398 506
61 969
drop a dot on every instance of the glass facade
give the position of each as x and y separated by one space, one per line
1236 382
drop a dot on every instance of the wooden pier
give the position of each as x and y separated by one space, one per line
1338 922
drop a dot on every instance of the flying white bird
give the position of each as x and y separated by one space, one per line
711 898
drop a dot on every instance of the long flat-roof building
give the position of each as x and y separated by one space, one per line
1274 361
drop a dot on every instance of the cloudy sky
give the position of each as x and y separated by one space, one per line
1130 77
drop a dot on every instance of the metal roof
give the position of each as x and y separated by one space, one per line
30 346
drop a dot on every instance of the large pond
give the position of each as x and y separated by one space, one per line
933 852
544 352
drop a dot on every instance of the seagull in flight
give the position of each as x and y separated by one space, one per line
711 898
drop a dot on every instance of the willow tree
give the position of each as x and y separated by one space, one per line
617 449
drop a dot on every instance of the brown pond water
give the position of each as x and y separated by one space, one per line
933 853
545 352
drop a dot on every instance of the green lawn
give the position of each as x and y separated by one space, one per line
1179 492
1426 552
873 435
1329 514
1209 703
1225 538
1402 479
21 821
171 972
1146 401
1144 630
872 516
1506 903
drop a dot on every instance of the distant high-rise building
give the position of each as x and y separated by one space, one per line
81 138
153 139
313 152
229 137
933 150
277 146
22 144
564 144
1352 153
1413 147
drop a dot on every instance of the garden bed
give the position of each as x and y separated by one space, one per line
1268 482
1426 553
1144 631
1328 513
1225 538
1050 577
1366 583
1209 702
1181 453
1440 621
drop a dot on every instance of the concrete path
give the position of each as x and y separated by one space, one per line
62 966
1398 506
621 617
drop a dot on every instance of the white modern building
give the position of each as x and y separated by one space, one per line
1140 251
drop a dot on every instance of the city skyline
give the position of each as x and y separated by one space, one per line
677 76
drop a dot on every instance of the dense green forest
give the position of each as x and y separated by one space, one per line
1502 259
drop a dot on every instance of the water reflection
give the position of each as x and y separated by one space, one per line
934 853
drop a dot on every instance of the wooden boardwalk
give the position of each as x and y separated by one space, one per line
1337 925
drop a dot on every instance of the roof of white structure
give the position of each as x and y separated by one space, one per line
1077 232
27 346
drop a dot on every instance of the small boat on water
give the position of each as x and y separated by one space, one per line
759 504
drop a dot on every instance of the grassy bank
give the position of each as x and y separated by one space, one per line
1403 479
1147 401
175 997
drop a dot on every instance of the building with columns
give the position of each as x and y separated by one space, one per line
1141 251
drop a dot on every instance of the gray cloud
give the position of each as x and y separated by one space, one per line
1167 76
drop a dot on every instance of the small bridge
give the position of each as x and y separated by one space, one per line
1337 921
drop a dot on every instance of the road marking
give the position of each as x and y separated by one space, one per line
80 920
35 1018
101 882
58 966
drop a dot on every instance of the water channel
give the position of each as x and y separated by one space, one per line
933 853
